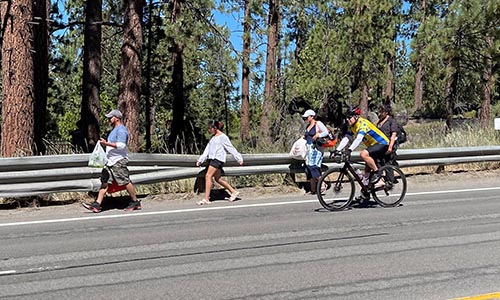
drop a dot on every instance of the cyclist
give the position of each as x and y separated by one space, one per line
365 131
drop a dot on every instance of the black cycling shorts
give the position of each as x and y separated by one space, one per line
377 151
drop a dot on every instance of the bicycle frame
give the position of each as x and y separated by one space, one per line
348 167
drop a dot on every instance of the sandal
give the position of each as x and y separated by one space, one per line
234 196
203 202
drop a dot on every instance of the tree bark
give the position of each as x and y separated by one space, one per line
18 85
389 84
363 104
450 92
177 85
419 74
245 80
419 86
269 106
487 85
149 126
130 71
91 80
41 56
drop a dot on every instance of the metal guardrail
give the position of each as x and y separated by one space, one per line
36 175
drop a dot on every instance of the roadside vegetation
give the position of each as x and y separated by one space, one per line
422 134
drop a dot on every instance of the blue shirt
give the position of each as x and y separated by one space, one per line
118 135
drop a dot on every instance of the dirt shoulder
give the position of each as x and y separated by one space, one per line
416 182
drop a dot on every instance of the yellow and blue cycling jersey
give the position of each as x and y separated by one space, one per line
372 134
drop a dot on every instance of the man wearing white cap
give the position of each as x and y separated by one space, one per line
314 130
116 164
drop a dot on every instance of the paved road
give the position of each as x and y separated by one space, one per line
442 243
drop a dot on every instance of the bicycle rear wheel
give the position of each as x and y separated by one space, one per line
391 189
339 191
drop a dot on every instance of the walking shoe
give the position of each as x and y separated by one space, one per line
94 206
375 178
234 196
134 205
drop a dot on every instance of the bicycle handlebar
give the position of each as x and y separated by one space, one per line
343 155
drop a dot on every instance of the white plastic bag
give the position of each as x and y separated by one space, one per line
98 157
299 149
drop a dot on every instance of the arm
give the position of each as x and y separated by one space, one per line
226 143
120 141
203 157
343 143
392 138
357 141
321 130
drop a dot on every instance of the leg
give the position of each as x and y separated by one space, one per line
96 205
225 184
370 162
208 181
102 191
234 193
131 191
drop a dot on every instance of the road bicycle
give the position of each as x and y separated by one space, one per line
337 186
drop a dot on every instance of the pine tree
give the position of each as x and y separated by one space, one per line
18 82
130 71
269 106
91 78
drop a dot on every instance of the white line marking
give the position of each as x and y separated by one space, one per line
152 213
8 272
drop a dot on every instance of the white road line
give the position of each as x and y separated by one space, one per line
152 213
8 272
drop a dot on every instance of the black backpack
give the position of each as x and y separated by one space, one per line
402 136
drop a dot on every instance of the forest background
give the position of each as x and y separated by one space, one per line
170 66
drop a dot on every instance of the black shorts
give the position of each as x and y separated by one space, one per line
215 163
377 151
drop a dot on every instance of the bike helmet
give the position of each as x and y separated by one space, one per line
353 111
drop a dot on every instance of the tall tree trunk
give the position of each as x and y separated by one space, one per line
389 84
419 74
91 80
451 91
130 71
149 111
41 56
269 106
363 104
419 85
177 85
18 86
245 76
487 85
300 34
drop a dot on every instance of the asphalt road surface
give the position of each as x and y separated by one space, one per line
442 243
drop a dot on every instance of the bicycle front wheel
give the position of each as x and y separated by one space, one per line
391 189
336 190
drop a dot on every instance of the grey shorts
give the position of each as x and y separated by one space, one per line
118 172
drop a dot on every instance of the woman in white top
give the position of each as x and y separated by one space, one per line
314 130
215 152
